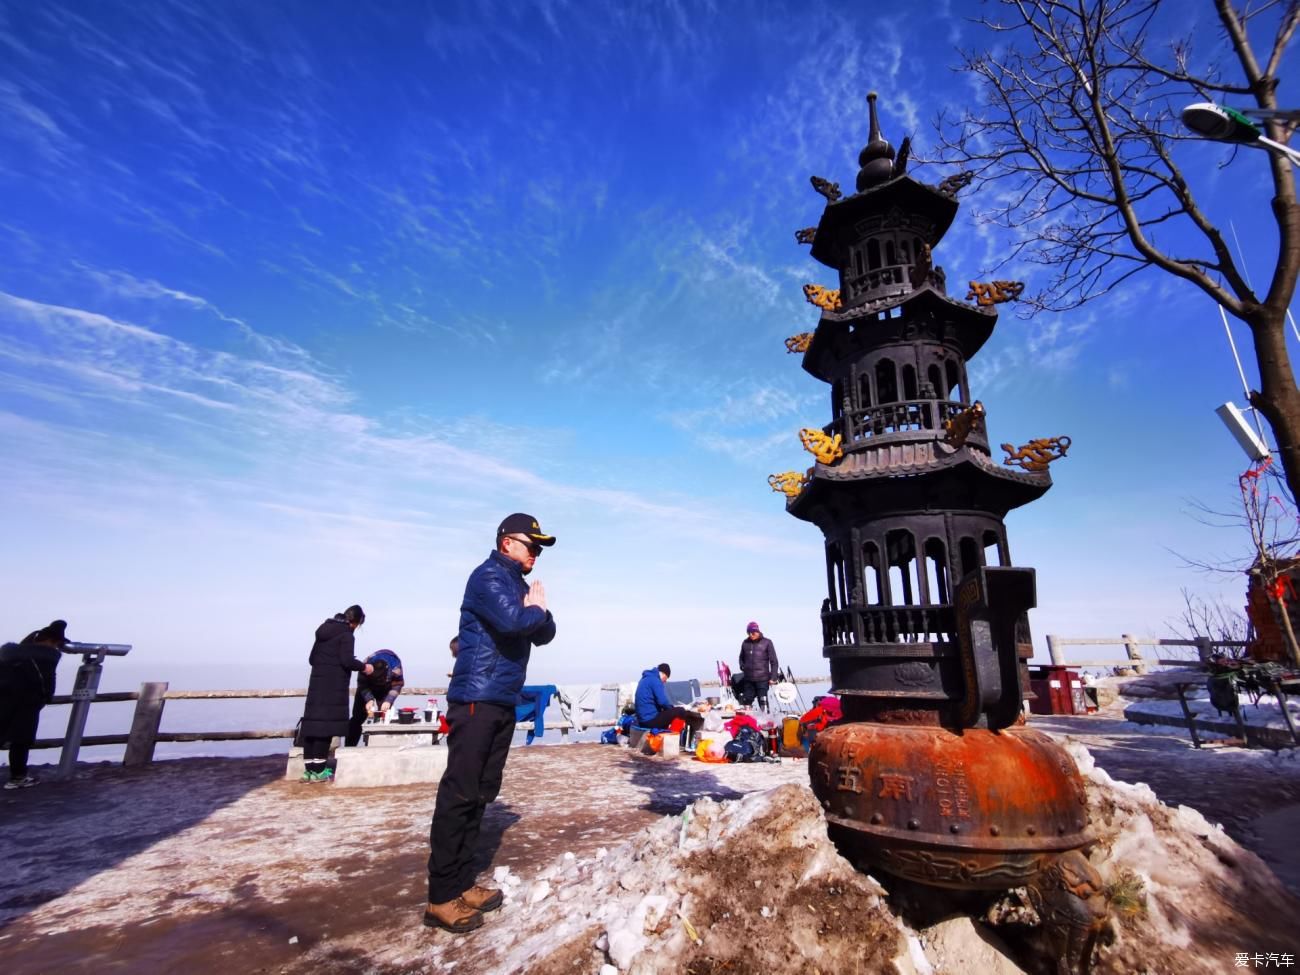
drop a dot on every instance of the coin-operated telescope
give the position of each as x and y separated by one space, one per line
84 689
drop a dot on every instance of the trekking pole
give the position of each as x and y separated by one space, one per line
724 678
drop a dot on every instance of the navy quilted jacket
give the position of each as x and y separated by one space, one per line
651 698
497 633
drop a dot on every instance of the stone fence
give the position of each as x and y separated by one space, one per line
1204 646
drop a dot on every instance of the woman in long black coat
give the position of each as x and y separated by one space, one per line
326 712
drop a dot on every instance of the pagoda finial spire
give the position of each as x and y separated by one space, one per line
877 156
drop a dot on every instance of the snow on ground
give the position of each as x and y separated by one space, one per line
1254 793
747 885
1205 897
1264 714
753 885
217 865
213 863
1155 695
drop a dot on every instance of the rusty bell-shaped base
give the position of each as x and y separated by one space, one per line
975 809
996 808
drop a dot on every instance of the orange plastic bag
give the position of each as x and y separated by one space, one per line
710 750
655 743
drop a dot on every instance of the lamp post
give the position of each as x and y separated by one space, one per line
1237 126
1224 124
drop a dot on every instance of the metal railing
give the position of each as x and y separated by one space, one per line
888 624
893 278
902 417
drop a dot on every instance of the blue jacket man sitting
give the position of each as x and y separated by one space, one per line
502 618
653 709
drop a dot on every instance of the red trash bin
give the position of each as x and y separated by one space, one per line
1054 689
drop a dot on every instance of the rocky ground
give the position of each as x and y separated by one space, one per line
219 865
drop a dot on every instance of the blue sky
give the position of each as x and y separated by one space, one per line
298 300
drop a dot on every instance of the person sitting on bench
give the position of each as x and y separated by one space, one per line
653 709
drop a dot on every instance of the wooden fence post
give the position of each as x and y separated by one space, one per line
144 724
1134 653
1204 648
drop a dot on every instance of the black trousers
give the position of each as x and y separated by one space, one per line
315 751
356 721
21 714
694 720
749 690
477 746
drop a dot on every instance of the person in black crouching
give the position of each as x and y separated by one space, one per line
376 692
325 714
26 686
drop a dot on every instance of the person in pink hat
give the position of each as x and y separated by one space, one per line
759 668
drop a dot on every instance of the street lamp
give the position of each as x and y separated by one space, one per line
1224 124
1248 439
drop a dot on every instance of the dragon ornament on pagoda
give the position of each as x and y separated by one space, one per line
932 777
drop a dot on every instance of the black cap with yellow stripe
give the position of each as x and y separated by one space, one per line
521 524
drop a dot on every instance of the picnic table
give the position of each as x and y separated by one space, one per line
1281 688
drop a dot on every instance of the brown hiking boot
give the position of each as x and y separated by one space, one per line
482 898
455 916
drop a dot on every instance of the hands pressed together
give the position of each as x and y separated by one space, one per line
536 596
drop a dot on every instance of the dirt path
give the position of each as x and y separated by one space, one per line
211 865
216 865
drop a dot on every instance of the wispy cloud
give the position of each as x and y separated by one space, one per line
329 314
1030 353
721 260
815 120
753 424
276 420
742 408
33 125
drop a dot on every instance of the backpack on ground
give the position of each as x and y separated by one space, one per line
749 745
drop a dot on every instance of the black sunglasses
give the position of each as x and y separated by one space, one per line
534 549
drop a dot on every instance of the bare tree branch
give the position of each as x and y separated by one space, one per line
1284 35
1076 143
1211 619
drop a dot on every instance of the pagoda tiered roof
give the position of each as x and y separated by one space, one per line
965 326
839 222
920 475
